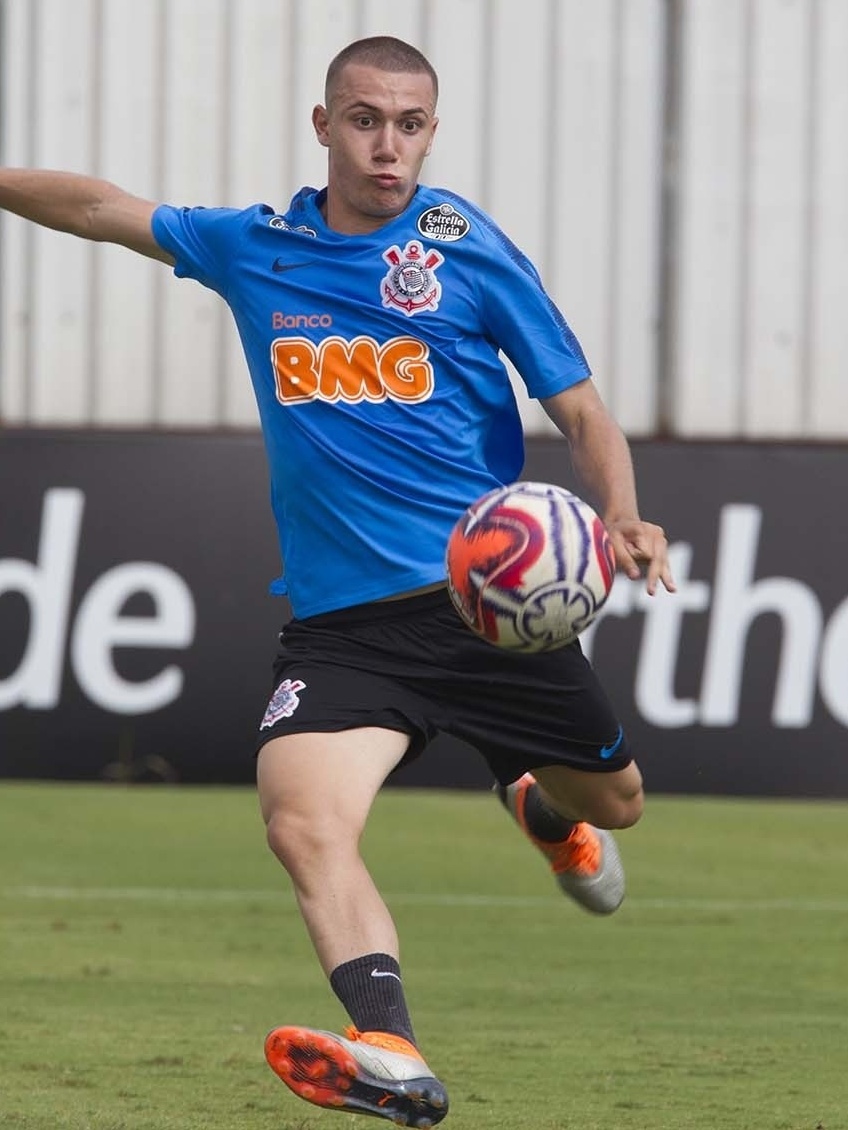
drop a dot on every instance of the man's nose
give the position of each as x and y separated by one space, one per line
386 144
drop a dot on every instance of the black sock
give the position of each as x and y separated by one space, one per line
544 822
371 991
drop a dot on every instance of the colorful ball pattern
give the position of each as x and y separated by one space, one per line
529 566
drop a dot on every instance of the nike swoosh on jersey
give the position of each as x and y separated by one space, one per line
279 265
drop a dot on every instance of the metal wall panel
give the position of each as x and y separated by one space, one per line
826 408
710 259
15 238
555 117
56 279
762 250
127 288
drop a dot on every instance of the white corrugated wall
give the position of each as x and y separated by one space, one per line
678 169
759 308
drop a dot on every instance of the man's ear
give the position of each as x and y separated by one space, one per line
321 124
434 126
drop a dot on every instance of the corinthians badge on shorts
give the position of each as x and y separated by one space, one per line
411 284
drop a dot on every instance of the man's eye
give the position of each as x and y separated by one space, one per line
365 121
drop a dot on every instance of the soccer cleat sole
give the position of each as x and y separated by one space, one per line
322 1071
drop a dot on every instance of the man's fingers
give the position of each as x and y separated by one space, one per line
644 544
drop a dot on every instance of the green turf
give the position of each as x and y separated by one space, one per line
149 941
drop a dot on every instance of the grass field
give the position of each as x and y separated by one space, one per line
149 942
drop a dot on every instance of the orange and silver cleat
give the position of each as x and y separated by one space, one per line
586 863
362 1072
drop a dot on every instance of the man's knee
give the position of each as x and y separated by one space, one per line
611 810
301 842
619 806
606 800
621 812
282 837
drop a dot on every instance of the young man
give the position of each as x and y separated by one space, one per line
386 411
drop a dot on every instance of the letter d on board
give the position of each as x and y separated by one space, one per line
46 585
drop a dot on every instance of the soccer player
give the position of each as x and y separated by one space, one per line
372 314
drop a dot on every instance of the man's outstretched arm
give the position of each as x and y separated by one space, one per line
84 206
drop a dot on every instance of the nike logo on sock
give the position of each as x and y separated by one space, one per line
380 973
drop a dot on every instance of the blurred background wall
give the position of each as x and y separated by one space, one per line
678 170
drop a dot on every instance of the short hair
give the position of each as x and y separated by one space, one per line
386 54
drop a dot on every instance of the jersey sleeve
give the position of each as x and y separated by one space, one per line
203 241
525 323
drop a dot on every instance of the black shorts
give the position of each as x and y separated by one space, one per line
412 665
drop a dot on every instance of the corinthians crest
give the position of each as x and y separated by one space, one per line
411 284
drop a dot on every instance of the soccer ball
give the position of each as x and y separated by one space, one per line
529 566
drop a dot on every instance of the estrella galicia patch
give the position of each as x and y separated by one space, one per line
443 224
284 702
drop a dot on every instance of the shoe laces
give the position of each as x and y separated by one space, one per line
388 1041
578 854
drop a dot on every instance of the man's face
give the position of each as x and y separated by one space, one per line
378 128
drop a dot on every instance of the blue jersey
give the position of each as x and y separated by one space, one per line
385 407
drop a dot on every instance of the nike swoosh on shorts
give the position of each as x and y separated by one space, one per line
607 751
